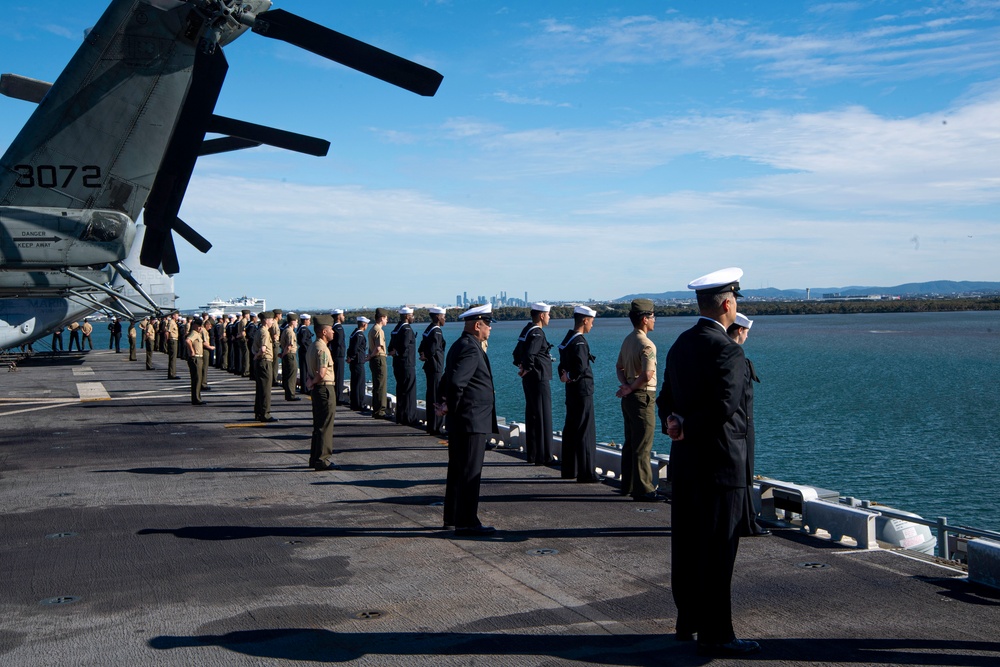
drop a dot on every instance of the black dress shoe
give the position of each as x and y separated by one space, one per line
197 402
448 526
319 467
296 398
761 532
173 377
267 420
206 388
475 531
647 498
733 649
684 636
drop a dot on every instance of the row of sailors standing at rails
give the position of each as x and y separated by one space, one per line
404 350
533 359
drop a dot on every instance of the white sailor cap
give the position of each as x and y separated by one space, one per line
583 310
436 310
743 321
717 282
337 311
305 316
363 320
484 312
405 310
541 307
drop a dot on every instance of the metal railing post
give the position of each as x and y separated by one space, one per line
942 537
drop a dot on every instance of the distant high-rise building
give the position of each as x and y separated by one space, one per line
526 296
458 300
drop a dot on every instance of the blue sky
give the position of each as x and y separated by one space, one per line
583 150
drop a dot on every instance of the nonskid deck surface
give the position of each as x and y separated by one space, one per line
139 529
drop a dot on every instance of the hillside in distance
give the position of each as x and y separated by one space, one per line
948 288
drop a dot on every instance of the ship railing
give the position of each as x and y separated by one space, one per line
942 528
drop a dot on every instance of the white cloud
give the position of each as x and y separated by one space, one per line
903 46
511 98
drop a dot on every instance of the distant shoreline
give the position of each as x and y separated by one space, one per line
748 307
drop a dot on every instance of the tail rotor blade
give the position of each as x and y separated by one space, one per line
262 134
188 234
168 256
365 58
174 174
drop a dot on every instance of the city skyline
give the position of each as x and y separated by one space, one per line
594 150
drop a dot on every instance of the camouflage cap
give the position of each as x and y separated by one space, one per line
640 306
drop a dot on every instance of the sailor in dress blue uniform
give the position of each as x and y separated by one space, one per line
535 368
431 352
579 439
403 350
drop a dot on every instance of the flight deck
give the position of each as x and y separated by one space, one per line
141 530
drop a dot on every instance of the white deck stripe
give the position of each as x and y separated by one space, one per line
92 391
83 370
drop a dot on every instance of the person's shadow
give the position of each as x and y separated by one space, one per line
600 649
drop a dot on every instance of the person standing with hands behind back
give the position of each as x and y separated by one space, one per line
636 369
739 331
699 409
377 364
531 356
579 439
468 403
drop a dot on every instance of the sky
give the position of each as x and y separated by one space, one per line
588 150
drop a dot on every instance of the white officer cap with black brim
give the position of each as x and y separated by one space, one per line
743 321
541 307
718 282
583 310
484 312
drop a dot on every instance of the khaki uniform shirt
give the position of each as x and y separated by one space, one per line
196 343
263 346
86 328
318 356
73 326
131 331
289 343
376 338
206 340
638 354
172 332
150 332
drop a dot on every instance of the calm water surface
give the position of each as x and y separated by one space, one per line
899 408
